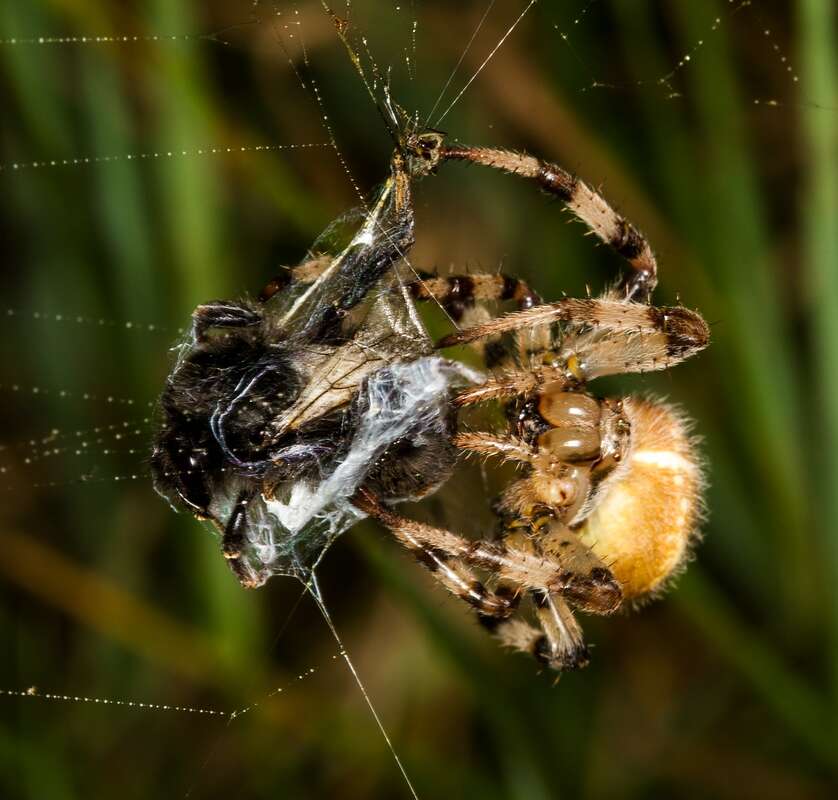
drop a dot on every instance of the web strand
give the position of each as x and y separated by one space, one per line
34 693
159 155
460 60
314 590
486 61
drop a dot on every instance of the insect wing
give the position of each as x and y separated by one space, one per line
322 309
356 316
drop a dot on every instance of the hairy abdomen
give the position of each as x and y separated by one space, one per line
645 521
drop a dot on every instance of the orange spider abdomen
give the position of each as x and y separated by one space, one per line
645 520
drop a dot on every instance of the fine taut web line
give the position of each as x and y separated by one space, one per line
314 589
460 61
486 61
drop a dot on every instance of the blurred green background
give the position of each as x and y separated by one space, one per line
726 688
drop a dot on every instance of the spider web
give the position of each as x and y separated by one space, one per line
295 31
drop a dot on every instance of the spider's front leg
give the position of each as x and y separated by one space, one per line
585 203
557 642
458 293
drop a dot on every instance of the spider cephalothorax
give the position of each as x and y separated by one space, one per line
326 397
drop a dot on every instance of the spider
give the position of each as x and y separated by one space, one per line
270 399
606 511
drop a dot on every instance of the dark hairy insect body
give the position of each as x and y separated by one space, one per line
325 400
263 411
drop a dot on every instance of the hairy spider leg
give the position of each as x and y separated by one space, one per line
562 645
508 447
528 571
446 566
649 337
458 292
682 327
511 383
557 642
518 565
585 203
463 298
585 358
458 295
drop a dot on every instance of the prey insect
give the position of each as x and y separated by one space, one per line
286 418
279 409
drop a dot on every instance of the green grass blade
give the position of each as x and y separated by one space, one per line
819 212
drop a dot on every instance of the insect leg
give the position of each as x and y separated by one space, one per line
234 540
307 272
221 314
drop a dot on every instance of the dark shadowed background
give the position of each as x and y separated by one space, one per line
728 161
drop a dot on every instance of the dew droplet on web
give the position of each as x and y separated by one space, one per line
151 156
33 692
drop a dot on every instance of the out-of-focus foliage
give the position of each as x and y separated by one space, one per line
726 688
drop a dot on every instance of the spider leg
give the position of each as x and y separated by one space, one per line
519 568
509 448
561 646
447 567
522 569
494 608
594 590
510 384
520 564
456 293
585 203
603 314
558 641
463 298
660 336
587 583
590 586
